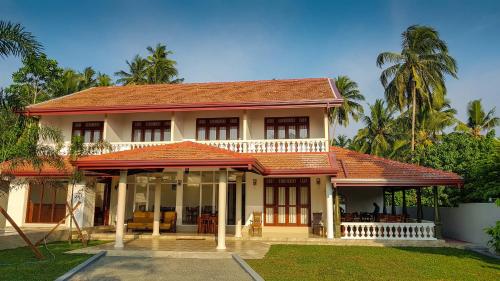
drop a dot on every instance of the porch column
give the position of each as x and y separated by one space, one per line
337 212
393 202
405 211
329 208
384 208
239 184
178 196
120 209
221 228
156 222
419 205
437 217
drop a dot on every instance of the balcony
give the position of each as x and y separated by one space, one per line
241 146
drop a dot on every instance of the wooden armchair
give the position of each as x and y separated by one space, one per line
141 220
256 224
169 221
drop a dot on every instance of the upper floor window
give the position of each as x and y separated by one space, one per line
287 128
89 131
217 128
151 130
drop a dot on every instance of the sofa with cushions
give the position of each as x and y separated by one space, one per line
142 220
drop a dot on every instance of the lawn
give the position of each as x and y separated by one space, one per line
21 264
296 262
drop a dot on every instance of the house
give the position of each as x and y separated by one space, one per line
229 149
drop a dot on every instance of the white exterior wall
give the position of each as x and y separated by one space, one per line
16 206
4 201
84 214
118 127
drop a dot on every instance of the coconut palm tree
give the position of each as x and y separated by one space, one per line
416 74
351 108
137 74
161 69
87 78
341 141
103 80
380 130
478 120
70 82
16 41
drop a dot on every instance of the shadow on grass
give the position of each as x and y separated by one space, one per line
451 252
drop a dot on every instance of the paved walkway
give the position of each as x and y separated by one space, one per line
167 248
136 269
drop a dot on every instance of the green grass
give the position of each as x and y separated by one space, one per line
296 262
21 264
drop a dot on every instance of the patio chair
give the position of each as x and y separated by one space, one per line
256 224
317 224
169 221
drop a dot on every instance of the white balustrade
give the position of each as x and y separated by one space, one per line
241 146
388 231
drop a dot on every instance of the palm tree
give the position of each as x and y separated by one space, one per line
342 141
161 69
103 80
478 120
380 130
70 82
350 107
14 40
88 79
137 74
417 74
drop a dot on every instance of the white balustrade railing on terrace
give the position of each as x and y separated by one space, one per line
242 146
388 231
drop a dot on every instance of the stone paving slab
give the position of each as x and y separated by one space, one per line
135 269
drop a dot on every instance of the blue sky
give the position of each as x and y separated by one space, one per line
249 40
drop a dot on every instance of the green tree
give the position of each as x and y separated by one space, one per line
380 132
69 83
416 74
351 108
478 121
137 74
87 78
477 160
37 80
161 69
342 141
16 41
103 80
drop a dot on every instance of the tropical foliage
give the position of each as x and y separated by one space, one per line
157 68
478 121
351 108
416 75
16 41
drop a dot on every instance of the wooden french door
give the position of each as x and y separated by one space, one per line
46 204
287 201
101 213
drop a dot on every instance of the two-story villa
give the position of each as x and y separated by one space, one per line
228 150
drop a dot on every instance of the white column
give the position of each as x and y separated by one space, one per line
120 209
239 184
221 231
172 127
156 215
245 125
178 197
329 208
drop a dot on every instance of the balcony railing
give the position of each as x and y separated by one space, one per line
241 146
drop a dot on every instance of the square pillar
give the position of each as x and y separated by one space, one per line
438 232
221 228
239 184
179 196
120 209
329 208
156 215
337 212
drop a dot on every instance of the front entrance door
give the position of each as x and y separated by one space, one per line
102 202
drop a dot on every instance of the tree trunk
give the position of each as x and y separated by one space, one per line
333 128
414 105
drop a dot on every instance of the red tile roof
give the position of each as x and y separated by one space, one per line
28 170
295 163
191 96
358 168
